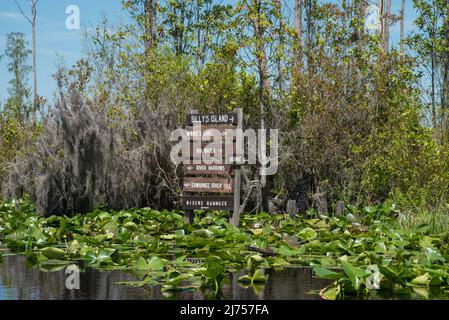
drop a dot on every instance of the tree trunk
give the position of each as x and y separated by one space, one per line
381 18
198 31
278 57
310 33
298 29
445 94
33 27
386 25
150 7
262 87
32 21
432 94
180 33
361 14
402 25
261 62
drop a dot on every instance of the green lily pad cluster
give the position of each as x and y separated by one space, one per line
358 258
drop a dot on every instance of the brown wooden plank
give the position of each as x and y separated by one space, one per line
211 151
236 160
207 202
212 119
219 159
206 135
197 184
202 168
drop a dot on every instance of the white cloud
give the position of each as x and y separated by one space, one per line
11 15
18 16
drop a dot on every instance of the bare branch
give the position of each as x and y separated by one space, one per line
23 13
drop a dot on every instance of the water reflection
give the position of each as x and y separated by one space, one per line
20 280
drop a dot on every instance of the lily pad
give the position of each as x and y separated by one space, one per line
307 234
53 253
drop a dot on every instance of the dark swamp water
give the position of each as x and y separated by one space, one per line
21 281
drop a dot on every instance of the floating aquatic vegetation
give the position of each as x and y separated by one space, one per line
359 258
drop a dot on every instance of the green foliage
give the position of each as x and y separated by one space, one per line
430 43
17 133
356 120
18 104
430 36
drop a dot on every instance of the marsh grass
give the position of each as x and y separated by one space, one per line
437 218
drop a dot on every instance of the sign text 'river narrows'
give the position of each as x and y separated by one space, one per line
218 169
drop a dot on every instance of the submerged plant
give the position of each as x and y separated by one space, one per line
214 273
254 267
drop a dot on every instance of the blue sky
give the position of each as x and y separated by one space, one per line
54 40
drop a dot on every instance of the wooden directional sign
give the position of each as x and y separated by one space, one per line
194 184
212 119
236 159
209 172
204 150
207 202
207 132
218 169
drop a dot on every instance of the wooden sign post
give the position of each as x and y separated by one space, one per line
209 186
237 180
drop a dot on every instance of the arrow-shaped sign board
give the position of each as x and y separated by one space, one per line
211 151
212 119
207 133
194 184
218 169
